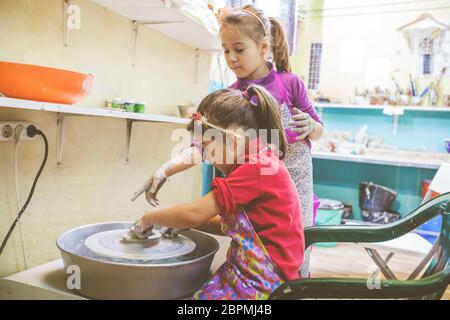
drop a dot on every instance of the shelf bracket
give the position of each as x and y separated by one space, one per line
395 125
129 129
395 112
196 62
60 126
135 28
60 138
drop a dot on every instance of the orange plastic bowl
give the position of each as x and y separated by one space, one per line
26 81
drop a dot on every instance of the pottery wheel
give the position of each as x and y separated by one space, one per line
111 244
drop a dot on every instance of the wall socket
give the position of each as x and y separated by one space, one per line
9 130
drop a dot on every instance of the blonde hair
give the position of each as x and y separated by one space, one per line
254 109
252 22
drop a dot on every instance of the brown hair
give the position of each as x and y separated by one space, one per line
254 29
228 107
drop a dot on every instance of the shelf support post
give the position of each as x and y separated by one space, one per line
196 62
395 126
60 138
129 129
60 127
135 28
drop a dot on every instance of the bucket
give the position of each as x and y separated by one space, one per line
329 213
375 198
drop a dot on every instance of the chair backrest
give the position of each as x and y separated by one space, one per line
432 285
440 182
441 257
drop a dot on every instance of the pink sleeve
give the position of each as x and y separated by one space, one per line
238 189
300 99
234 86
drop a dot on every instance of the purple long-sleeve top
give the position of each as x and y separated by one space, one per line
296 94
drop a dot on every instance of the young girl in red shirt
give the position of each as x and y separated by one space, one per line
257 200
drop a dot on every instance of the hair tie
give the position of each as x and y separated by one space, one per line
246 95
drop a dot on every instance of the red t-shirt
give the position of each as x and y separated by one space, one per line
272 204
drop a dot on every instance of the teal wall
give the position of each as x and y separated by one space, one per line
340 180
417 130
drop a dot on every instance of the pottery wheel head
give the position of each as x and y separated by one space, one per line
112 244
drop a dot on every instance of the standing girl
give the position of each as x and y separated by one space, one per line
248 37
257 200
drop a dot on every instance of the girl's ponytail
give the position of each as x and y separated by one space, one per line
267 115
279 46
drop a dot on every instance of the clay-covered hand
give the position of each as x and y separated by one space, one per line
303 123
141 230
152 186
167 232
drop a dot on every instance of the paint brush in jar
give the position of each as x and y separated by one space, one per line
424 92
413 90
400 91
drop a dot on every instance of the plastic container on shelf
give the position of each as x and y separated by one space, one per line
330 213
38 83
129 105
139 107
117 103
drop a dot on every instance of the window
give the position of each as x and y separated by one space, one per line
426 47
314 66
426 65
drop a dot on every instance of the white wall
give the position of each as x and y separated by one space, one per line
94 183
371 23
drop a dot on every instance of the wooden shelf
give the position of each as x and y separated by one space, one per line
394 111
171 22
63 110
87 111
392 160
378 107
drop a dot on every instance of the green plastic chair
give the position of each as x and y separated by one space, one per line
431 286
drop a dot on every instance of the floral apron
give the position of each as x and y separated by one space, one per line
298 158
248 273
298 161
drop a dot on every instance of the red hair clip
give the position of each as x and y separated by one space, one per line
196 116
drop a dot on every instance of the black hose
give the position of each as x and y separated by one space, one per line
31 131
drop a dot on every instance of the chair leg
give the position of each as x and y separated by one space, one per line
388 257
424 262
381 264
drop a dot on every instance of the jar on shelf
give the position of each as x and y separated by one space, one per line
108 103
129 105
117 103
139 107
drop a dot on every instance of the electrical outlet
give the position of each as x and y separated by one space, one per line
11 130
